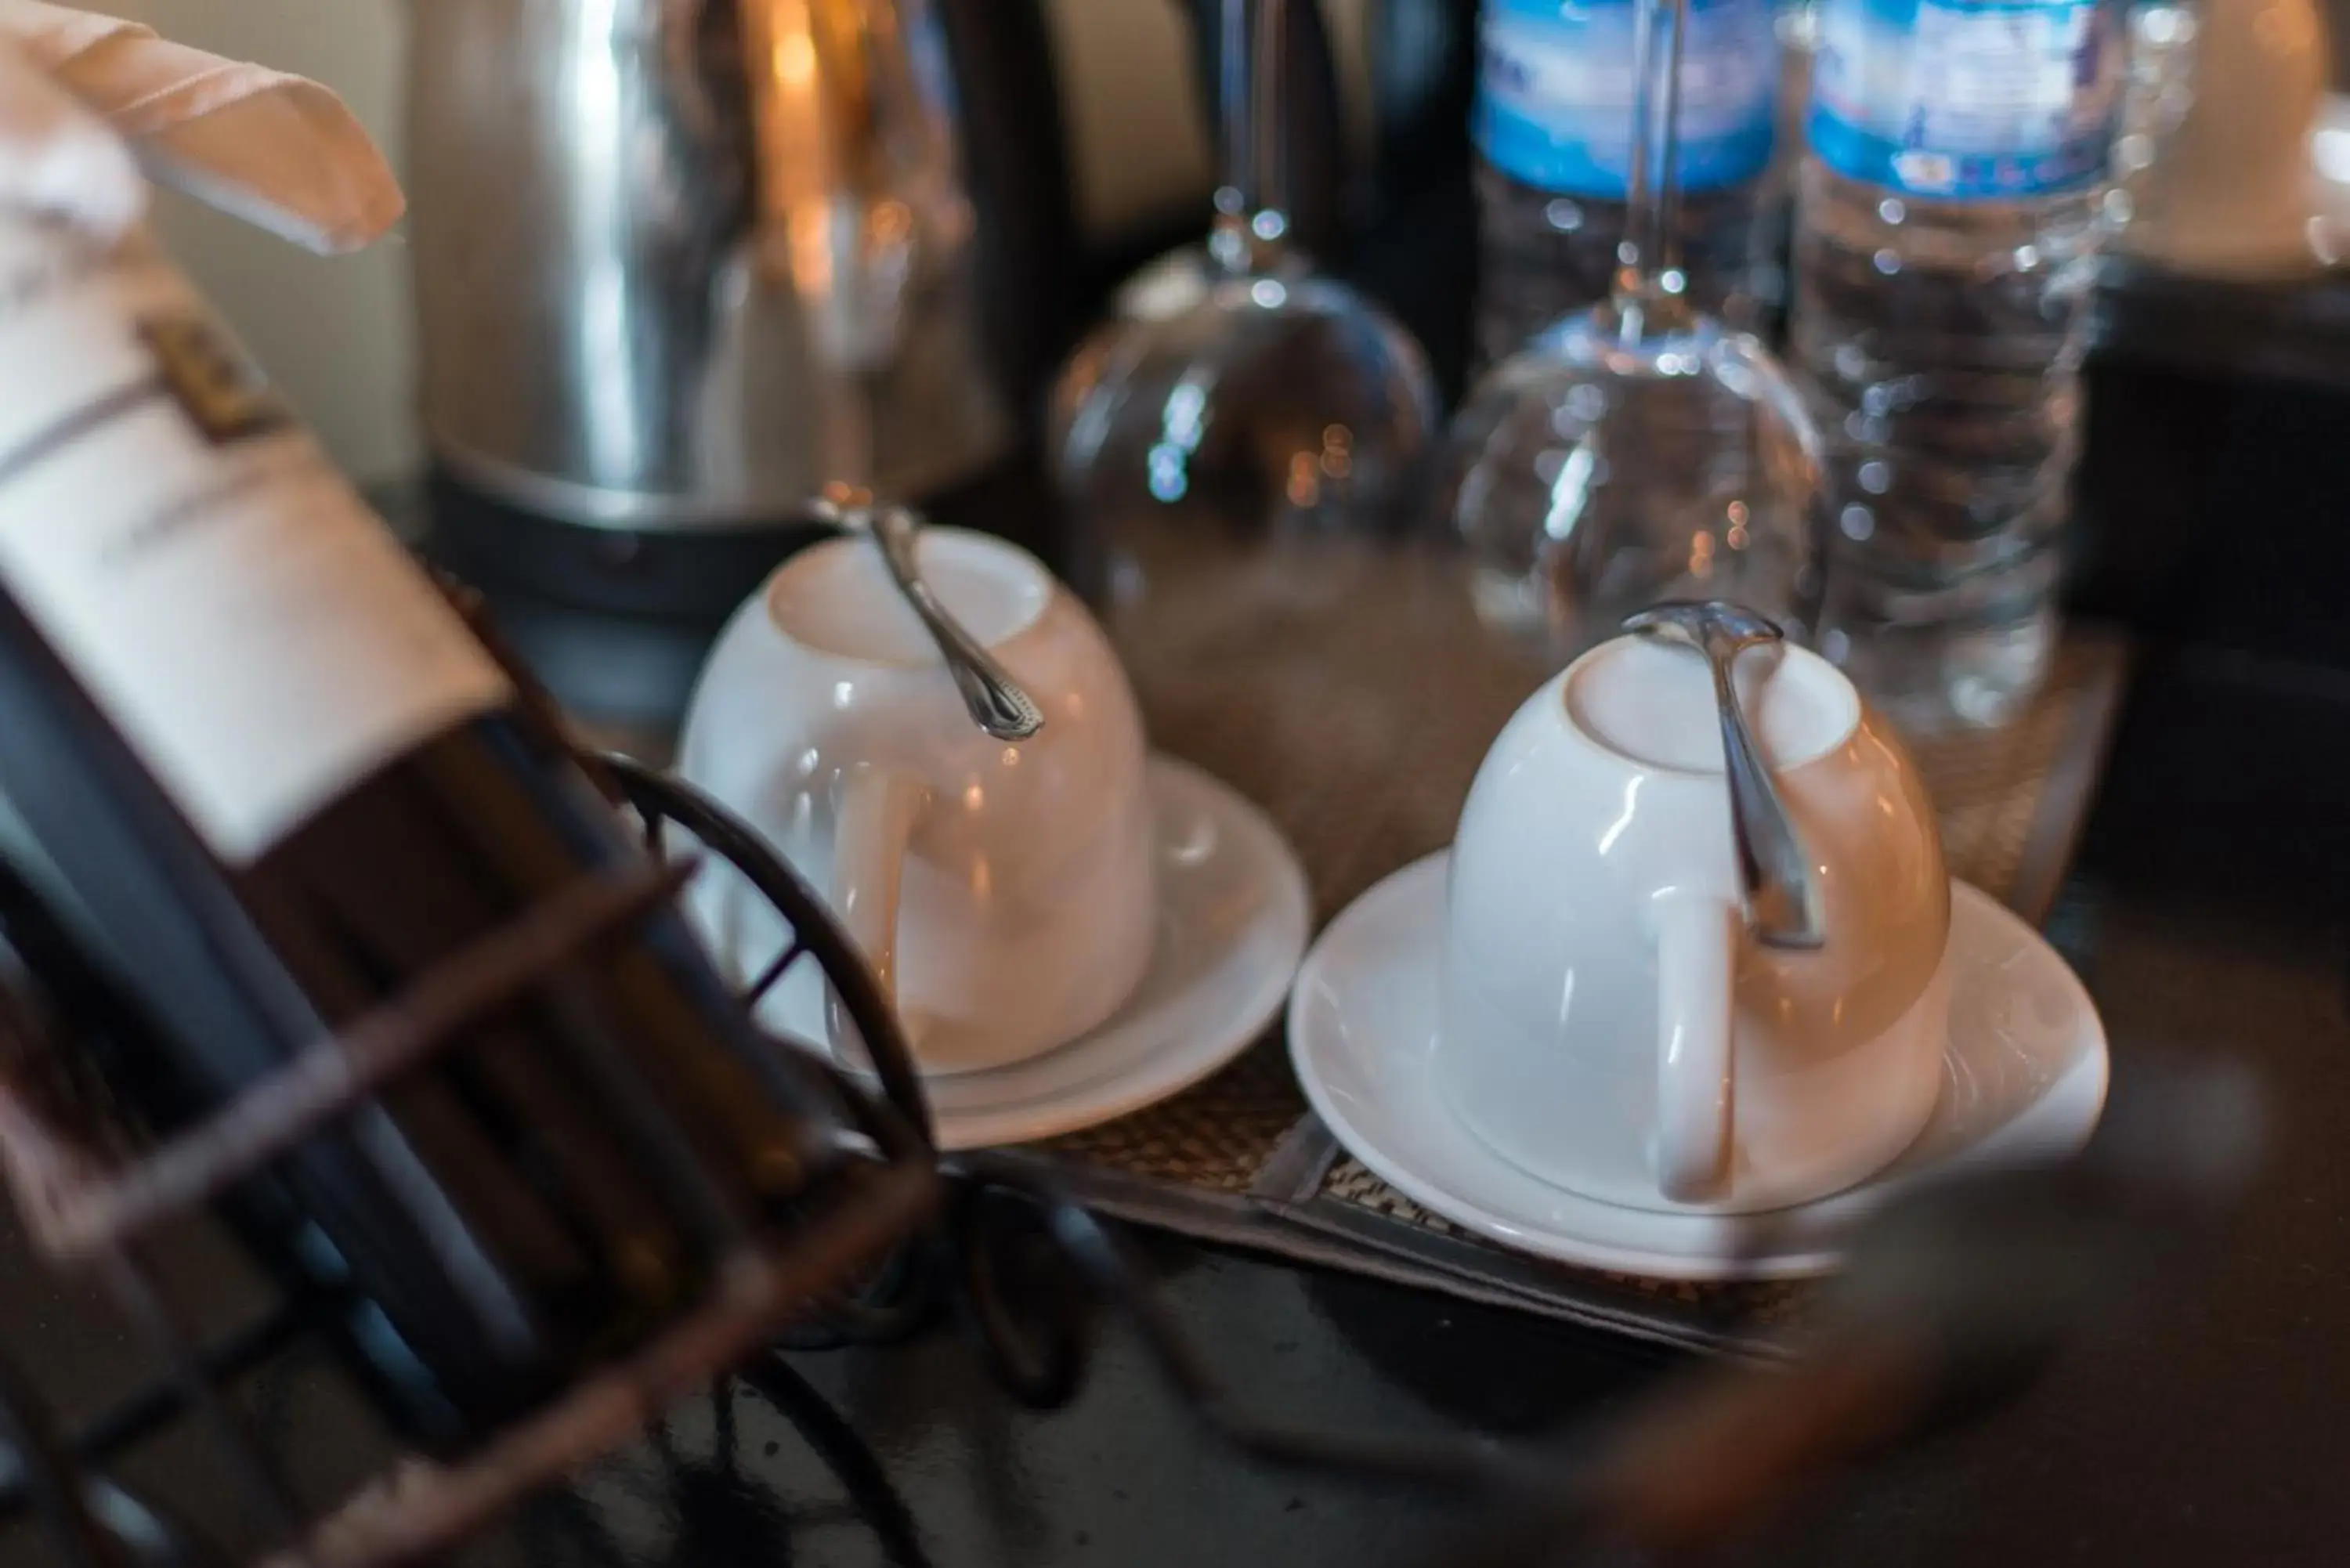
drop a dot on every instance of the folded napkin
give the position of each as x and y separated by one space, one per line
86 101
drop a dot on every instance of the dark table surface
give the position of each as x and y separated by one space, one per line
2213 1426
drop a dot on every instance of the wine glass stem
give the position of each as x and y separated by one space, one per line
1649 293
1252 225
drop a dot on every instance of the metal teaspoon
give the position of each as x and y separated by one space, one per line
996 702
1782 898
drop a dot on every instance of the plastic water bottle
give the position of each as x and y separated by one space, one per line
1952 207
1553 125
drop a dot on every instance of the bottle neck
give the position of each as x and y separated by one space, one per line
1650 291
1250 234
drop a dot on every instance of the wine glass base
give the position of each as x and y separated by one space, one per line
1597 471
1276 403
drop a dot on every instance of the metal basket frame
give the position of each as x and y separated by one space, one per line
95 1210
92 1191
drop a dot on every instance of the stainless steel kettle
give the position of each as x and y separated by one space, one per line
679 264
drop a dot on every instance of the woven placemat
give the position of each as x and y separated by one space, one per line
1351 692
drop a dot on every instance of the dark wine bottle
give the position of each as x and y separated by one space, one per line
278 780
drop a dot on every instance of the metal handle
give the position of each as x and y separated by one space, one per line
1770 862
996 702
1782 897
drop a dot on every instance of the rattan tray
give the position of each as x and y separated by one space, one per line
1352 694
1350 691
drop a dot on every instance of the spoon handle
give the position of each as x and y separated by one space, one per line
997 703
1770 862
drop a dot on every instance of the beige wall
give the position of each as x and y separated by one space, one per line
335 333
1140 130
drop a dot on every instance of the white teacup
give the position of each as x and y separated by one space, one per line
1003 892
1609 1024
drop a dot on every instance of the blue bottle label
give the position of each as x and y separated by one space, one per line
1969 99
1554 93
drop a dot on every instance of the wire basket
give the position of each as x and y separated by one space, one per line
94 1195
95 1192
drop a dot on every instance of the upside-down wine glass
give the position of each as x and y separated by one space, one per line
1280 402
1638 450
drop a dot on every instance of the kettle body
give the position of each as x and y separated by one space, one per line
680 264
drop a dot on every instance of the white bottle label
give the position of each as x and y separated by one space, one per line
1969 99
1554 91
229 603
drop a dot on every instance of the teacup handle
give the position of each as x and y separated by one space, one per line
1697 964
876 813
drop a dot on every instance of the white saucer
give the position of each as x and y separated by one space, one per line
2026 1076
1233 916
